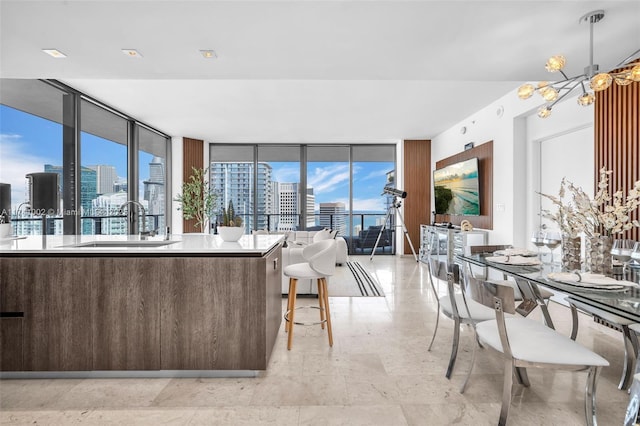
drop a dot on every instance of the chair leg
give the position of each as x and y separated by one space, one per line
473 361
522 377
321 304
629 359
506 392
287 324
292 310
325 295
574 321
435 330
454 347
590 397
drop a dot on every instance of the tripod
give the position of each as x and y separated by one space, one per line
397 203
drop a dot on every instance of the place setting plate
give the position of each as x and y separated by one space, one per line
515 252
590 281
514 260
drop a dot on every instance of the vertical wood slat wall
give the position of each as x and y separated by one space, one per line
617 140
192 156
417 184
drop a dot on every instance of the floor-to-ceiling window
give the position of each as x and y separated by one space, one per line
104 171
302 187
47 127
373 168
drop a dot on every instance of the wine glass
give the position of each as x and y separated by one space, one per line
621 251
635 256
537 238
552 239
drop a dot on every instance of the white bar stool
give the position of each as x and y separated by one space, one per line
321 263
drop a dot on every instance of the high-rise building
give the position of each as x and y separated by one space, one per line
290 208
233 181
154 194
106 177
332 215
88 193
108 205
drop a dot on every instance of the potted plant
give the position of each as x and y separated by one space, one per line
231 227
196 201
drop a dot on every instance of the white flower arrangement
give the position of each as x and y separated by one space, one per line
605 215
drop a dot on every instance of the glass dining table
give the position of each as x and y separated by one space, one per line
623 300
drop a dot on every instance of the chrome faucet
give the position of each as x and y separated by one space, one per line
143 232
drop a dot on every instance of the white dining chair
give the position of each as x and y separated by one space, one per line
454 305
524 343
624 325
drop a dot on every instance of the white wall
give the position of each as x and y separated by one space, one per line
176 184
518 135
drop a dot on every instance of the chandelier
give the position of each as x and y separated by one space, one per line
625 73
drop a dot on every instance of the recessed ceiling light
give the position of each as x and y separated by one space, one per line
132 53
55 53
209 54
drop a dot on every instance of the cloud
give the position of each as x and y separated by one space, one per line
15 163
324 179
364 204
375 174
287 174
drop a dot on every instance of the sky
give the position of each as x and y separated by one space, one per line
27 142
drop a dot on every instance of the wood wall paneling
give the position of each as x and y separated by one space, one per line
192 156
417 184
484 153
617 140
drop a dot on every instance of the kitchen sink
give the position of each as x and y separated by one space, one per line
132 243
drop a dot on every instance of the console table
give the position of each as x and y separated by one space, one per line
446 243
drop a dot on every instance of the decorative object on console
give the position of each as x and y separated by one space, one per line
196 201
625 73
465 225
231 227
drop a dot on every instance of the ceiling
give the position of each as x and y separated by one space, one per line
306 71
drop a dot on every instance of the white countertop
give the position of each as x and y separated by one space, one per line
181 244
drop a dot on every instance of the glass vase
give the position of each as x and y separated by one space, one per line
599 255
571 247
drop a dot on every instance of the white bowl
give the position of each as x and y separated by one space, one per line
230 233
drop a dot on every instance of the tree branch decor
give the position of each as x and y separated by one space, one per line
196 201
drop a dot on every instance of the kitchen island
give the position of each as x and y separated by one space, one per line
119 303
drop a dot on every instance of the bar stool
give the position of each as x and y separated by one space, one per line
321 263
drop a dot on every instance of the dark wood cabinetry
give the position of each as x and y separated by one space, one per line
11 314
139 313
126 313
220 313
57 313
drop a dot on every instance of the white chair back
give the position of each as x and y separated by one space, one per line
321 256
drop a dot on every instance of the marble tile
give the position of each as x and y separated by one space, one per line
111 393
44 417
33 394
206 392
300 391
246 416
451 414
174 417
352 416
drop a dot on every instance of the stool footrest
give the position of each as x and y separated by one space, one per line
286 316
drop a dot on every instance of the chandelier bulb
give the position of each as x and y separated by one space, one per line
526 91
555 63
586 99
544 111
601 81
635 73
623 79
550 94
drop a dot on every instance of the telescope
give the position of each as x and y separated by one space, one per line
393 191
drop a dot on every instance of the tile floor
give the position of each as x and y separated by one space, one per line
377 373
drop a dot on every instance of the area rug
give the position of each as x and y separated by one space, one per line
353 280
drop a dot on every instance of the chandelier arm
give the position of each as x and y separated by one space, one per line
568 83
568 80
628 59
